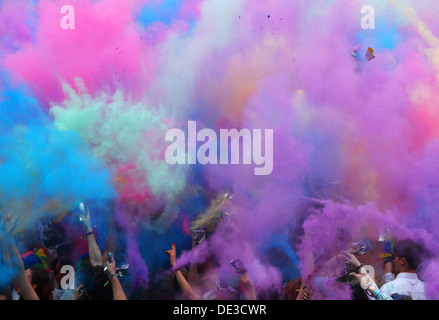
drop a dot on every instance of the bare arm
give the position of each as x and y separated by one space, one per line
186 288
13 259
305 292
118 293
20 280
94 251
388 267
368 284
93 248
300 294
249 289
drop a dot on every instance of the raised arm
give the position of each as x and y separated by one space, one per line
20 281
93 249
249 289
13 259
388 270
352 260
118 293
186 288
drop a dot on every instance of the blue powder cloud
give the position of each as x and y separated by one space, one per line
39 162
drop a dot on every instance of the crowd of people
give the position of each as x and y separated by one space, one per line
40 271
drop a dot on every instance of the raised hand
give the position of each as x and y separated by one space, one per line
79 291
110 266
350 258
172 255
84 217
246 283
9 219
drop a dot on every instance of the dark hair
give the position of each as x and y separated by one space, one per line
6 292
397 296
41 279
64 250
61 261
413 252
96 282
358 293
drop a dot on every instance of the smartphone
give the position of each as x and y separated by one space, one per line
230 194
238 265
79 210
364 245
198 237
110 257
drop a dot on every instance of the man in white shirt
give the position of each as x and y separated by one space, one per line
407 257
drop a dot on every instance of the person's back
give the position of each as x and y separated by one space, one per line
407 257
406 284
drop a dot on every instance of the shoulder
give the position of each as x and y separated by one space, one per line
389 287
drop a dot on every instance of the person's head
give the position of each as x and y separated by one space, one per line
408 256
40 282
5 293
292 289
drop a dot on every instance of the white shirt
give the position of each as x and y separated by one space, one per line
407 284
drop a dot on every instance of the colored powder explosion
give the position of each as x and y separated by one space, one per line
84 114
